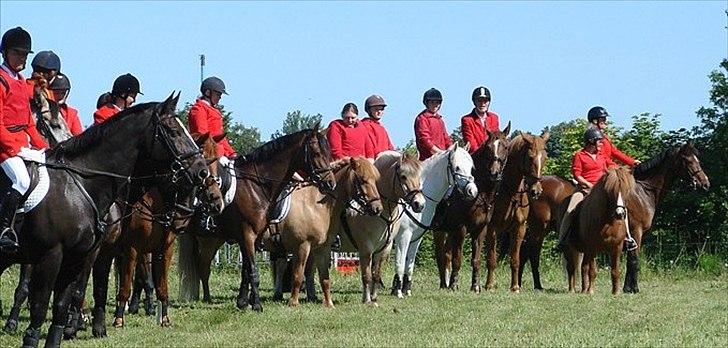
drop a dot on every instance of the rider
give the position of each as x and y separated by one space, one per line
347 136
123 95
46 66
204 117
597 117
430 133
588 166
60 87
374 107
475 124
17 131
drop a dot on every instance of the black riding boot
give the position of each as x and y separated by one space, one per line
8 205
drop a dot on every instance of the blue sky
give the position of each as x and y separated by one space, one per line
545 62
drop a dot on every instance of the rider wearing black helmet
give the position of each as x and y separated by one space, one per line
430 133
204 117
59 88
480 119
123 95
597 117
46 66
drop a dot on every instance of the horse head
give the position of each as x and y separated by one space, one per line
362 185
533 158
495 153
211 196
317 159
460 168
407 175
690 165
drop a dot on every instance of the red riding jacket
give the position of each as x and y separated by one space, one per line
203 119
105 112
473 128
349 141
377 135
17 126
591 169
611 152
430 130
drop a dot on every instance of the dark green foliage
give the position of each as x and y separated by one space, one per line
243 139
295 121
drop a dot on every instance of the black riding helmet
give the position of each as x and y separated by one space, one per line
16 38
431 94
481 92
214 84
592 135
46 60
125 85
596 112
60 82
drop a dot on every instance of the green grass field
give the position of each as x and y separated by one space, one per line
673 309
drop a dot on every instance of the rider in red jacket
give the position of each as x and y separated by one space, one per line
60 87
347 136
475 124
205 118
597 117
17 131
123 95
374 106
430 133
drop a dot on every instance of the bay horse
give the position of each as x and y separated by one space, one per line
145 145
372 236
261 177
542 218
599 225
441 173
311 223
521 180
653 178
462 217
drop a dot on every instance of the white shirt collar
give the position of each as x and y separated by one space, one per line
10 71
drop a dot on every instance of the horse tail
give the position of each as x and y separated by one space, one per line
618 184
189 276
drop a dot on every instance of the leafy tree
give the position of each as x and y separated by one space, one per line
295 121
243 139
457 136
409 148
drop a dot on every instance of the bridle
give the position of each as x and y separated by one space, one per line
461 180
314 174
361 198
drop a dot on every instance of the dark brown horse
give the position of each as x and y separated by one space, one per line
261 177
463 217
521 180
542 218
599 225
653 179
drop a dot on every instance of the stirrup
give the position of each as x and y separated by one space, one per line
9 241
631 244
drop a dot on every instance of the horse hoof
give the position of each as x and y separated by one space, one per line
133 308
475 289
408 293
516 290
165 322
69 333
118 322
292 303
99 332
372 304
11 326
258 307
277 297
328 304
241 303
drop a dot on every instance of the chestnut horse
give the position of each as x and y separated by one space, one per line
542 218
311 224
521 180
599 224
260 179
463 217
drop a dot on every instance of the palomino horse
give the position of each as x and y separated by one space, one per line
599 224
461 217
542 218
145 145
311 222
261 177
441 173
653 178
372 236
521 180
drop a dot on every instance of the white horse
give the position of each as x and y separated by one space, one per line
441 173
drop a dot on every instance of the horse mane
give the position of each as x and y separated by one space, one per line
644 167
267 150
96 133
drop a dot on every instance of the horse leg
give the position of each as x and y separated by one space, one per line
42 278
442 255
377 261
299 265
148 284
278 266
128 265
615 255
585 263
67 281
75 320
571 258
160 269
400 258
101 270
254 299
137 286
516 240
631 278
243 292
476 242
534 256
310 282
456 247
490 243
204 265
21 294
368 285
323 258
410 267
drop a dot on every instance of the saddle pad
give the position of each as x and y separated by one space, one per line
283 205
39 192
229 194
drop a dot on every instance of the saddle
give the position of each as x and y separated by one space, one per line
282 204
228 182
39 181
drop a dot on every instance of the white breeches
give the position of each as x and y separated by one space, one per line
14 169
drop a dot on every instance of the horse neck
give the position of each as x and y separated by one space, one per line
387 187
512 173
659 178
435 178
342 194
278 168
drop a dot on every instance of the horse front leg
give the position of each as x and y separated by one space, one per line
490 243
476 252
254 298
400 258
278 266
69 279
534 256
585 264
76 304
310 282
101 270
245 274
42 279
128 265
615 255
367 281
21 294
456 246
517 236
571 257
410 266
377 261
631 279
323 258
299 262
442 257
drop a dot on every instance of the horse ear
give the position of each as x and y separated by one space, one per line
507 130
168 105
467 145
200 139
545 136
453 146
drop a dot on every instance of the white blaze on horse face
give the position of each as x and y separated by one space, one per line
538 164
187 133
495 148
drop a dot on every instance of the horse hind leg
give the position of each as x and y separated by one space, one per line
160 269
278 267
615 255
442 257
456 247
298 272
125 281
21 294
309 279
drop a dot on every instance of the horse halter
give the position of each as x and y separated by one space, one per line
461 180
315 174
360 197
178 168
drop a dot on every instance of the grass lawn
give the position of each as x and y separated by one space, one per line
673 309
